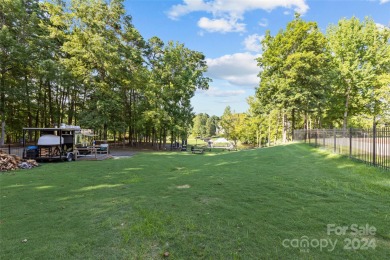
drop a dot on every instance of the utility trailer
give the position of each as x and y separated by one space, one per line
58 143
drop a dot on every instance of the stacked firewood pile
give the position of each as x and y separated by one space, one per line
9 162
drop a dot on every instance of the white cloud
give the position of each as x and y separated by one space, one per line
189 6
238 69
221 25
229 102
263 22
235 8
227 12
384 1
253 42
380 26
216 92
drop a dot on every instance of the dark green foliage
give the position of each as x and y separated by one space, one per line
310 80
84 63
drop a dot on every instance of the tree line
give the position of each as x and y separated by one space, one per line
84 63
310 79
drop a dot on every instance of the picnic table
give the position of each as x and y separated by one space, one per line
197 149
85 151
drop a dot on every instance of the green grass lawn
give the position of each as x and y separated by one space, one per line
254 204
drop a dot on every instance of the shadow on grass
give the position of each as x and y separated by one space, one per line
224 205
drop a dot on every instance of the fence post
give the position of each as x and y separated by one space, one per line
334 140
374 144
350 142
9 148
316 136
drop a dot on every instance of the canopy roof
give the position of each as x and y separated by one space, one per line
221 140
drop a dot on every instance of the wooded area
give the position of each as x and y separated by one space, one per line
310 80
84 63
315 80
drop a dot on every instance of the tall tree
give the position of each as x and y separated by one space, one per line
21 43
83 62
227 122
292 66
361 55
176 73
199 127
212 125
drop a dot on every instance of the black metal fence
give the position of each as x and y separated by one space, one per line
368 145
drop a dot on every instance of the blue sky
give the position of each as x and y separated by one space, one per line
228 33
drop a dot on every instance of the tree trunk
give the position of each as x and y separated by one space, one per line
2 128
130 114
43 116
70 111
114 139
292 123
160 139
346 108
164 138
2 108
269 130
277 128
124 138
105 131
28 102
172 141
306 126
51 110
284 123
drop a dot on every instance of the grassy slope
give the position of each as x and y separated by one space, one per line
238 205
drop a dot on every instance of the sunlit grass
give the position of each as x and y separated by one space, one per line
221 205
